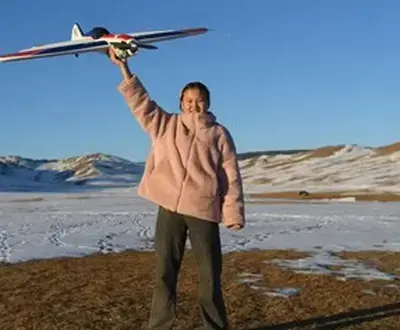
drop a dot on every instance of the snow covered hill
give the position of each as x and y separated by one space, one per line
22 174
331 168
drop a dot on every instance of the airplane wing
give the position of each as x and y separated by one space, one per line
156 36
76 46
56 49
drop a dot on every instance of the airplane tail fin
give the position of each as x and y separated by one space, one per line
77 32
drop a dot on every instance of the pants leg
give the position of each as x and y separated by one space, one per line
205 240
170 238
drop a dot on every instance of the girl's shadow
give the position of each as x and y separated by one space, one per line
341 320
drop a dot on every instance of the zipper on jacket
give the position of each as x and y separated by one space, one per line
186 170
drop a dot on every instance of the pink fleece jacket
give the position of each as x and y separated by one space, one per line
192 167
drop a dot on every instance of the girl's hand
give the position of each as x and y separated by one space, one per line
236 227
114 58
126 72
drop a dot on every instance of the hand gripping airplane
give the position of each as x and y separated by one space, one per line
100 40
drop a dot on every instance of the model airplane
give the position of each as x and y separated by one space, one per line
100 40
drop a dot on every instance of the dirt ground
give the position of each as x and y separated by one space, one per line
114 292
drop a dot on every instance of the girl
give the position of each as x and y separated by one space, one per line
192 174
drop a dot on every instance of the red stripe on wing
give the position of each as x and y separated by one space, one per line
22 53
119 36
195 30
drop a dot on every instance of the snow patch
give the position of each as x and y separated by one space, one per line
250 278
326 263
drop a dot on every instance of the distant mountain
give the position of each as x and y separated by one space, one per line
17 173
329 168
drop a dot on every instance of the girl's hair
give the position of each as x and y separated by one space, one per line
196 85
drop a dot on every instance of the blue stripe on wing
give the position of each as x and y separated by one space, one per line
74 47
169 34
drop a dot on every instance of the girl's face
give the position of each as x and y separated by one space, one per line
194 101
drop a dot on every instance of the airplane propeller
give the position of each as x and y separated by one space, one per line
132 45
145 46
125 50
130 48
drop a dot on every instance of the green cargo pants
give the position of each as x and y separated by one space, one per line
170 238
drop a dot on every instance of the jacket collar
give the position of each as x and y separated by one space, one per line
195 120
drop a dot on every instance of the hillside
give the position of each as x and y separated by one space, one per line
341 168
93 170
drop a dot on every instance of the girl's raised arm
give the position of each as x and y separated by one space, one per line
148 113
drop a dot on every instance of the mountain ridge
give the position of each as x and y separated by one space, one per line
331 167
96 169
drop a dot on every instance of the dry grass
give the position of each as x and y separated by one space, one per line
40 199
388 149
78 197
325 151
114 292
24 200
358 196
261 181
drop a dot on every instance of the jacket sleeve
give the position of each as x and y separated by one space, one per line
231 186
152 118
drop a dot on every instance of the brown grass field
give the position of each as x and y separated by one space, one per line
365 196
114 292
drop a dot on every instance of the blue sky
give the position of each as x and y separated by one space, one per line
283 73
